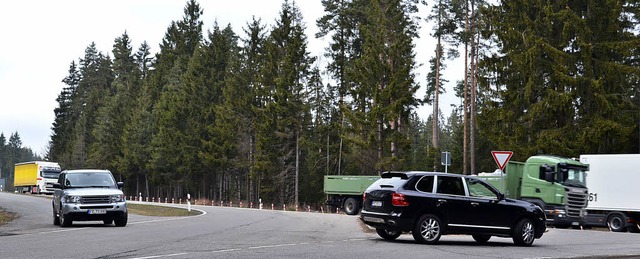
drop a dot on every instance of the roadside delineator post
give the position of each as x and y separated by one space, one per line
140 197
271 206
188 202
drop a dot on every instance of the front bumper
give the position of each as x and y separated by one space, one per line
557 216
82 212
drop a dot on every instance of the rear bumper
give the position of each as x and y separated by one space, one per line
391 221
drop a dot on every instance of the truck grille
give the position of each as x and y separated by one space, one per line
95 199
576 201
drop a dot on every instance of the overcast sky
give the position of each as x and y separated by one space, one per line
40 39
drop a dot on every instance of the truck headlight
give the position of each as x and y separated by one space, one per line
117 198
72 199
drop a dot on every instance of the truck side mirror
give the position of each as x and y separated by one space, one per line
549 177
547 173
120 184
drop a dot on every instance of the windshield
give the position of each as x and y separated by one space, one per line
89 180
574 177
53 174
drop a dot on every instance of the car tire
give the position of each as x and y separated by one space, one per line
481 239
388 234
635 228
108 221
351 206
524 232
56 219
428 229
617 222
121 221
65 221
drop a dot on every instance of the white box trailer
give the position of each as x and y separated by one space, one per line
614 192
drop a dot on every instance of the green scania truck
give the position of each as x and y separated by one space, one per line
556 184
345 191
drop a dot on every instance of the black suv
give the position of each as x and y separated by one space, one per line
432 204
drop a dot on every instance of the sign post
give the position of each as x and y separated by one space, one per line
445 159
501 158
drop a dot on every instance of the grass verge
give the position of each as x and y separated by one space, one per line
6 217
159 211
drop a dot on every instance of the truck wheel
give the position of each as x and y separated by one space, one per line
617 222
351 206
427 230
524 232
388 234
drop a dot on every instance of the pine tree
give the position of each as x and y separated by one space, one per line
62 129
386 86
561 83
244 94
106 151
169 143
341 21
285 72
91 94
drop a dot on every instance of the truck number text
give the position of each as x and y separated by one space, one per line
593 197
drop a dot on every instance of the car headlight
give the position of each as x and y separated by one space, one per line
72 199
117 198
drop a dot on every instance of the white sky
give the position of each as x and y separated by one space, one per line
40 38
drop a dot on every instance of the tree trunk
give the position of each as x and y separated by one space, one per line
474 70
465 105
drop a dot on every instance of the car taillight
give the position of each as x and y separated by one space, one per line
398 199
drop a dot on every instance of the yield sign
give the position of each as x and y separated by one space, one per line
501 158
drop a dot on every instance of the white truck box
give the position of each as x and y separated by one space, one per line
612 181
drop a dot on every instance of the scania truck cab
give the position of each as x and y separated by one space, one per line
556 184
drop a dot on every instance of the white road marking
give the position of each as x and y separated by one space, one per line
158 256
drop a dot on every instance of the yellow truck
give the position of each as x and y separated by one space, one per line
36 177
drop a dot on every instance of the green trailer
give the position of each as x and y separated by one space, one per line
556 184
345 191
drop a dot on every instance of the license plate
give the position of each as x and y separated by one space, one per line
374 220
376 204
97 211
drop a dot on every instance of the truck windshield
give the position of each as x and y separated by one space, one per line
575 178
53 174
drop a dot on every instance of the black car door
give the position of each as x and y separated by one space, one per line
488 211
452 202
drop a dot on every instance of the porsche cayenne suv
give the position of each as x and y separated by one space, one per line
429 205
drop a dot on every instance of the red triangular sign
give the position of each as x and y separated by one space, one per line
501 158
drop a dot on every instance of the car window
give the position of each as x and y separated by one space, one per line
450 185
425 184
479 189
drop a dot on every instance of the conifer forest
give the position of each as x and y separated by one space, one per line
249 116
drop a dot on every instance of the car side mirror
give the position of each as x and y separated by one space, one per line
56 186
500 196
120 184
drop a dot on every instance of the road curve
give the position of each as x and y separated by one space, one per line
224 232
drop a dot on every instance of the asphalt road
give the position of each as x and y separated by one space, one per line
223 232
